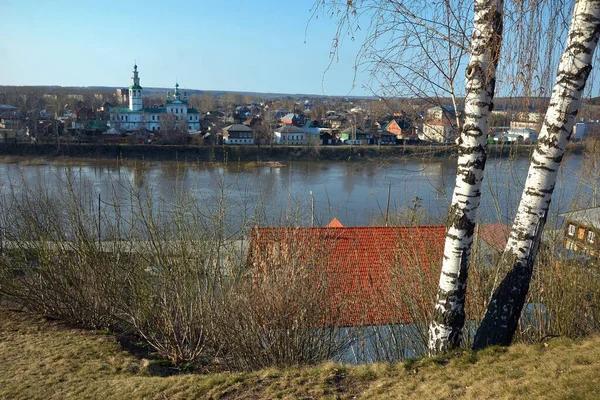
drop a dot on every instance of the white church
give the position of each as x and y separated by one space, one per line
136 117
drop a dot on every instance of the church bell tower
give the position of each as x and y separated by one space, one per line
135 92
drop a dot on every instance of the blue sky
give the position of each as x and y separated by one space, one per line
258 46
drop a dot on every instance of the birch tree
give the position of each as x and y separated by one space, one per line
445 330
425 43
502 316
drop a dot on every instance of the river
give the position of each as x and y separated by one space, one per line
355 193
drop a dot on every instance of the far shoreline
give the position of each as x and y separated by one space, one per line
275 156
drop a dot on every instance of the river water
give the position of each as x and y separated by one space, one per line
354 192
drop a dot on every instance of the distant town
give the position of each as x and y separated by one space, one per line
134 115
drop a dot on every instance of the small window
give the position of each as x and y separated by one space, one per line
569 245
580 233
571 229
590 237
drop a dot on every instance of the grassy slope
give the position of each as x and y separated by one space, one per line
41 359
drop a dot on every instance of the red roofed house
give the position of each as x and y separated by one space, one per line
394 128
376 276
490 242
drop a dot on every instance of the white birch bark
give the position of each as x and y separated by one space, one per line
445 330
504 310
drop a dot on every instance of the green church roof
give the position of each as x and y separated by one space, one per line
135 87
121 110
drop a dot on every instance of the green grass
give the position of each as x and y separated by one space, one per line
42 359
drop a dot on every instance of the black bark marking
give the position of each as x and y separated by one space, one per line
452 313
458 220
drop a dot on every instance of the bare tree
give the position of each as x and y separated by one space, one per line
207 102
413 49
167 123
424 51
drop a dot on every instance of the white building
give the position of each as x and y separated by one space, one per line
289 135
136 117
438 131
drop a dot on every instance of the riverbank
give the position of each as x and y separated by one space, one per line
44 359
20 152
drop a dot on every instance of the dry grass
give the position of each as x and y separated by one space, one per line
45 359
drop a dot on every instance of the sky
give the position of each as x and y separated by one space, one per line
266 46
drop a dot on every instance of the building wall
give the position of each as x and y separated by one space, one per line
394 129
581 238
290 138
438 133
238 137
135 99
525 124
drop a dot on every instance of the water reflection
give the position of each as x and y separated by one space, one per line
355 193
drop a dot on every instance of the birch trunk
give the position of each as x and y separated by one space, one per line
445 330
502 316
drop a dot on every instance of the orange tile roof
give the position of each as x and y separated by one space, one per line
495 235
375 275
335 223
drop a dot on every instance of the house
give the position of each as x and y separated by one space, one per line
393 128
525 135
360 263
490 241
443 112
238 134
581 231
533 125
438 131
84 114
399 128
10 117
88 124
290 135
280 112
357 136
311 127
335 121
252 121
385 137
375 277
313 134
326 136
293 119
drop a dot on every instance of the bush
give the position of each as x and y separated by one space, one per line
280 313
